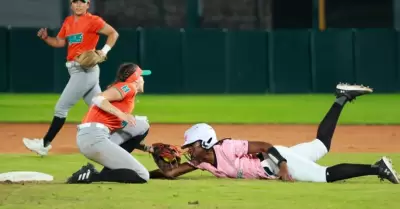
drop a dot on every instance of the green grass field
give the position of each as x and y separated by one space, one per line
199 189
366 192
288 109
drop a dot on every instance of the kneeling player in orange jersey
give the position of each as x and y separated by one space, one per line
108 132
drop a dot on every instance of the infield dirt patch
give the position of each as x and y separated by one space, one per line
346 139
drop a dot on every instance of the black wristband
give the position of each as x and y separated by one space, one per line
275 156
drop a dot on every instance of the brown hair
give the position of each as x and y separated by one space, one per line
124 71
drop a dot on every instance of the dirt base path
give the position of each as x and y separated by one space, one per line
346 138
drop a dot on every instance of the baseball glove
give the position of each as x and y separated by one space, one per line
166 156
89 59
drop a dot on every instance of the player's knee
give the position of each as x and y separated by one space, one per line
145 175
144 126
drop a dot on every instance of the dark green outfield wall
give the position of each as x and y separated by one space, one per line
217 61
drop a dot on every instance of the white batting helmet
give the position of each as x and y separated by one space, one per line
200 132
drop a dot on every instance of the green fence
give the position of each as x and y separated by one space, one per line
217 61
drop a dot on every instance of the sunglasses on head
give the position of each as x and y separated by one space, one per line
83 1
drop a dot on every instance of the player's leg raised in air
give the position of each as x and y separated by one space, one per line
317 148
302 157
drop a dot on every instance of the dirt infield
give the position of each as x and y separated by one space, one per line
346 138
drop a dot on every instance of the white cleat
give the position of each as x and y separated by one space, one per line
386 170
36 145
352 91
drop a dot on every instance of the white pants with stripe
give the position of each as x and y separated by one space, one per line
301 161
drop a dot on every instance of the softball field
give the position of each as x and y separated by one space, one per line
368 129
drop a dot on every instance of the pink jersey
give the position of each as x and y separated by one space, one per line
234 162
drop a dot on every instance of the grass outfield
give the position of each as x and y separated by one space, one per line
363 193
288 109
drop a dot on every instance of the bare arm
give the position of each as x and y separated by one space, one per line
112 36
267 148
51 41
111 94
257 147
173 173
103 101
55 42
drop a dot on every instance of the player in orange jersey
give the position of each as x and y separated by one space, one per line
108 124
80 32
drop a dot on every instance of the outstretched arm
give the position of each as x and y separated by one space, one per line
173 173
56 42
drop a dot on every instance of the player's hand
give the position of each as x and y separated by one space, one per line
101 53
42 33
130 119
284 173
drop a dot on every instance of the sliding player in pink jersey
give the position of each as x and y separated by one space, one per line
230 158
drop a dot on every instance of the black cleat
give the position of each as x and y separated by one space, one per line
386 170
351 91
83 175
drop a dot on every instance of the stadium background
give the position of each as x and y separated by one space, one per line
236 46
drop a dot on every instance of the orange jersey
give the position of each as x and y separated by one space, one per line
95 114
81 33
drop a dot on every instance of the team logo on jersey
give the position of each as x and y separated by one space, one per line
75 38
126 88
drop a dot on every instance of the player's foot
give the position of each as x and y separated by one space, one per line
351 91
83 175
386 170
36 145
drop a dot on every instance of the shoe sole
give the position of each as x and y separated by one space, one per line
347 87
32 150
387 163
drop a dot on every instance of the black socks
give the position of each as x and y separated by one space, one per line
133 142
118 175
328 124
55 127
347 171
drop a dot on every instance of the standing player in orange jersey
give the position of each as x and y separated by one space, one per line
99 134
81 31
